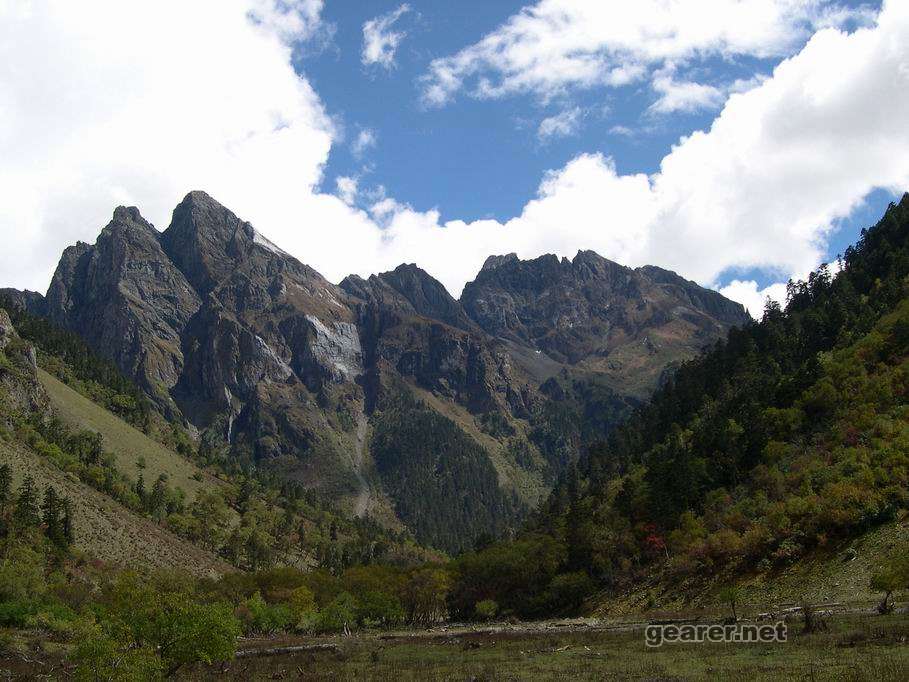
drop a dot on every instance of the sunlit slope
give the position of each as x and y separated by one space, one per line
128 444
105 529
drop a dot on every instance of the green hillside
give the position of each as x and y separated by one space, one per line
131 447
757 463
106 530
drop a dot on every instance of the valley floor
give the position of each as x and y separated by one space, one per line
855 646
852 646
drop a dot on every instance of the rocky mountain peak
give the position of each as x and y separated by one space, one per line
426 294
225 330
593 312
495 261
130 215
202 240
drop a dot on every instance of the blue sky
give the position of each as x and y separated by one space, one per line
475 159
737 142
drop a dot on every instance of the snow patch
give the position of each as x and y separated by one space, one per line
268 246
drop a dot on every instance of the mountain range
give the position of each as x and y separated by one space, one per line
450 417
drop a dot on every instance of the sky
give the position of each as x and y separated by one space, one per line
740 143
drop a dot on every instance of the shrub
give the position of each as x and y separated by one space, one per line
339 614
56 619
259 617
379 608
486 609
15 614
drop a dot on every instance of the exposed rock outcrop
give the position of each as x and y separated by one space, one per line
601 316
20 390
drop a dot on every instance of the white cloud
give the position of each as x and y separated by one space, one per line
624 131
222 110
684 96
563 124
290 20
754 299
555 45
760 189
365 139
347 189
380 42
96 111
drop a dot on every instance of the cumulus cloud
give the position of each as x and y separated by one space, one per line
366 139
347 189
555 45
752 297
380 41
760 188
684 96
96 111
563 124
223 110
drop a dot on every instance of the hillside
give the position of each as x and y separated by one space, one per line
106 530
758 463
134 451
273 367
55 433
838 575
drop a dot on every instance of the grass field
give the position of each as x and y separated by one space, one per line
852 647
855 647
107 530
128 444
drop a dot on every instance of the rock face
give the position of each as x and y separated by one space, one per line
589 312
127 300
20 390
411 327
271 362
30 301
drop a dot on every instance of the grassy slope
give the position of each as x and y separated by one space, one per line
834 575
107 530
127 443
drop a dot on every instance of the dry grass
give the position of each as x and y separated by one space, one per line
128 444
107 530
837 574
585 655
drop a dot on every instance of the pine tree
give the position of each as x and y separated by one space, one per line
244 496
52 516
27 513
67 522
157 501
140 488
6 484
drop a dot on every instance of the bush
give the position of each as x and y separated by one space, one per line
56 619
379 608
101 657
15 614
258 617
486 609
340 613
566 592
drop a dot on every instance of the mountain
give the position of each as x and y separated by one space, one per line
626 324
268 363
779 454
138 492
